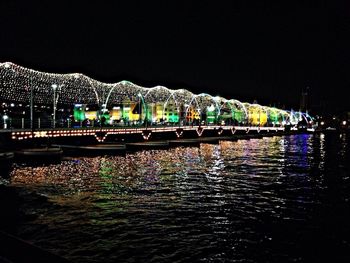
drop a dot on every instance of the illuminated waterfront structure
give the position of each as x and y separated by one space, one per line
68 100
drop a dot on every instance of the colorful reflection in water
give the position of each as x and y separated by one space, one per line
258 200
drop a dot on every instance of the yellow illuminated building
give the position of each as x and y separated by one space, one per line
192 114
91 115
257 115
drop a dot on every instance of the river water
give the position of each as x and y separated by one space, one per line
276 199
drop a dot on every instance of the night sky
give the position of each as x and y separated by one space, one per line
249 51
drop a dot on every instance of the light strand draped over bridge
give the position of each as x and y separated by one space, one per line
40 97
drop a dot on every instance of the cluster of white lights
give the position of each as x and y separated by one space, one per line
179 133
21 135
233 131
146 135
101 139
51 133
220 131
200 131
81 132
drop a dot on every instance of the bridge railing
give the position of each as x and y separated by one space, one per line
48 123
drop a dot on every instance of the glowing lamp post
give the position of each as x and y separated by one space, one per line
5 118
139 95
54 87
31 105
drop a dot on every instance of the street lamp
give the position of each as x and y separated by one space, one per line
5 117
54 87
31 105
139 95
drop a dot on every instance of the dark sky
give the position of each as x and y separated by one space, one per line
244 50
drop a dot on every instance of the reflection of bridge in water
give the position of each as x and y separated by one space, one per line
36 104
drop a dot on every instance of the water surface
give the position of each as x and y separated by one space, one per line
277 199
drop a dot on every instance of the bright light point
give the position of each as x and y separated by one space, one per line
322 123
54 86
211 108
87 108
12 104
344 122
5 117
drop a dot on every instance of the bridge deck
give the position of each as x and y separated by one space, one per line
101 133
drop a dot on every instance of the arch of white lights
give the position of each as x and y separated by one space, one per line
17 83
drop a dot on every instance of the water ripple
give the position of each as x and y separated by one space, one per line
253 200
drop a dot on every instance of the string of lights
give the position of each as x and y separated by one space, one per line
17 83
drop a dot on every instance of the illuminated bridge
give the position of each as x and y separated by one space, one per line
39 104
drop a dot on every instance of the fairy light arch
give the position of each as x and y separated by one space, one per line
16 83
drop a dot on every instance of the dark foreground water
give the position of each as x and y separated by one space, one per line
280 199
